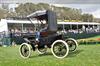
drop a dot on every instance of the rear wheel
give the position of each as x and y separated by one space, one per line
72 43
60 49
25 50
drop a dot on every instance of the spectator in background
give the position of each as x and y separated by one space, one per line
30 31
17 32
4 34
11 33
45 28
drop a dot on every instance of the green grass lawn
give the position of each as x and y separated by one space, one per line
98 36
86 55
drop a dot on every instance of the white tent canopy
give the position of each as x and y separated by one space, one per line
35 21
37 13
4 23
79 23
3 26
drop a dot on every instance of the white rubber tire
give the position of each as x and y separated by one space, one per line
74 41
63 43
29 47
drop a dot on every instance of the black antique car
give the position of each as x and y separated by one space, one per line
46 36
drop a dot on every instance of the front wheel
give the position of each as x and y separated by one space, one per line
72 43
60 49
25 50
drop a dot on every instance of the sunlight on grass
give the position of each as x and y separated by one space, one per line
86 55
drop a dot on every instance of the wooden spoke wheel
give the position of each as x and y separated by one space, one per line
25 50
72 43
60 49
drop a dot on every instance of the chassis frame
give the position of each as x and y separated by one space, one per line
60 47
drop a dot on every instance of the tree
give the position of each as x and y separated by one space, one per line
25 9
3 13
63 13
42 6
87 17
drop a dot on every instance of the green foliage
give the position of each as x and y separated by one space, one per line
90 40
63 13
3 13
25 9
87 17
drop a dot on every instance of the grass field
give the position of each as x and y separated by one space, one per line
86 55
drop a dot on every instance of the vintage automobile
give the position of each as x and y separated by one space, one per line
45 36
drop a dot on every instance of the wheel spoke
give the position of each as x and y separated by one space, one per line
60 49
25 50
72 44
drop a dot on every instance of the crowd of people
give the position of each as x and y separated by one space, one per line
82 30
18 32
